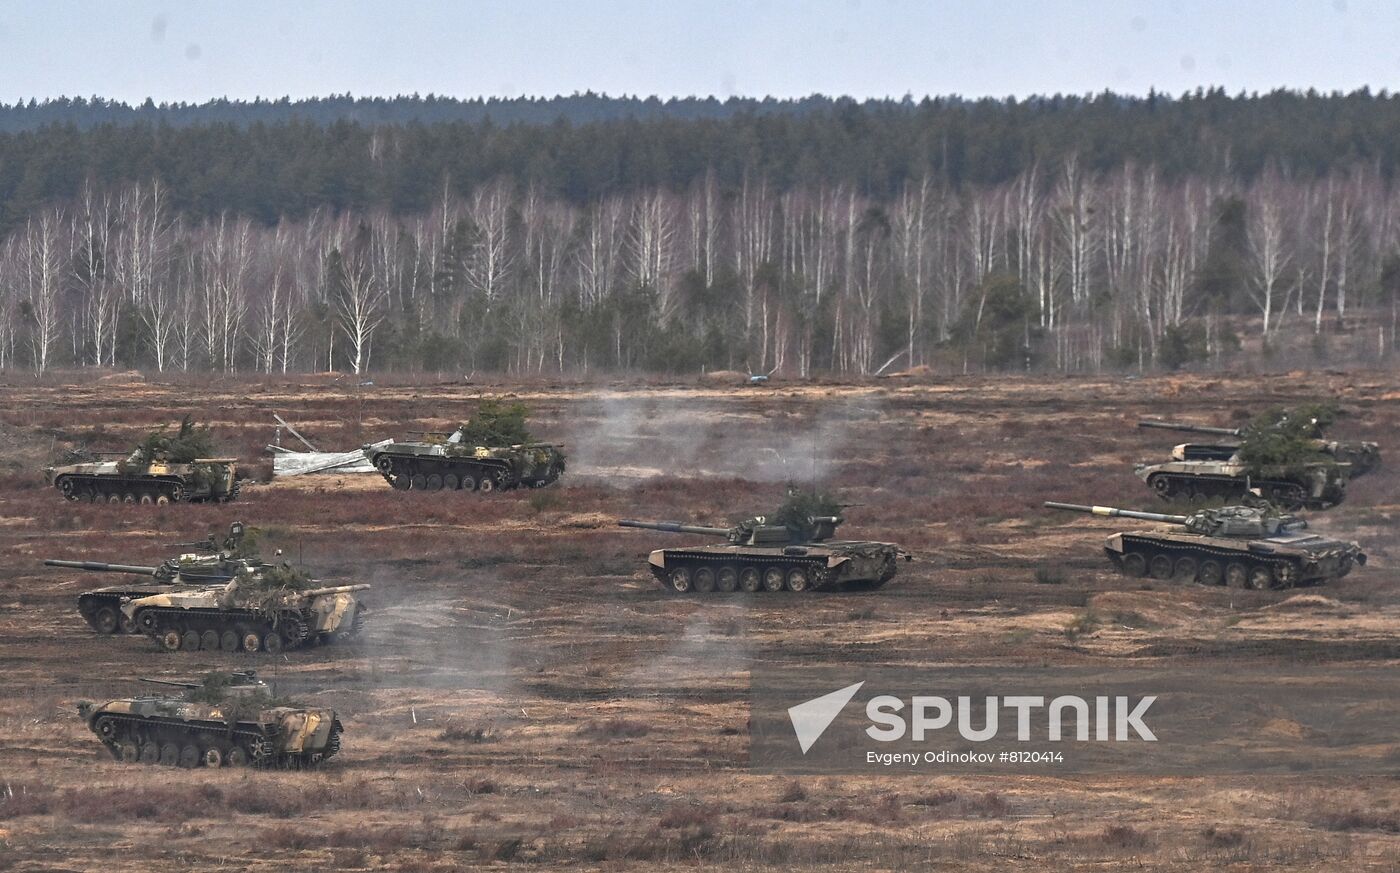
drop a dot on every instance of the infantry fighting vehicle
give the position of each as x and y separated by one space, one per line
1362 457
164 468
228 719
794 551
1238 546
212 563
443 461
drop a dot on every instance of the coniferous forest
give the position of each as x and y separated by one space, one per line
593 234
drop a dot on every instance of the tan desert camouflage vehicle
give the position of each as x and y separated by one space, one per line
156 482
443 462
1238 546
1319 485
799 554
1362 457
228 720
213 563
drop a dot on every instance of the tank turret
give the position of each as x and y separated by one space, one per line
755 531
1240 546
225 720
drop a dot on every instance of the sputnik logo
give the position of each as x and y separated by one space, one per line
811 718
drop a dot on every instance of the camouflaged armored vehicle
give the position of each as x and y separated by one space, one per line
1238 546
1318 484
1361 457
263 608
491 452
212 563
227 720
164 468
794 551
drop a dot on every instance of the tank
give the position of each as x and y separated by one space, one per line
443 461
226 720
213 562
1238 546
164 468
1313 485
1361 457
796 555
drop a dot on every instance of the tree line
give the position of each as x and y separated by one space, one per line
1061 266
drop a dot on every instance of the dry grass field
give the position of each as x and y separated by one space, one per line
524 694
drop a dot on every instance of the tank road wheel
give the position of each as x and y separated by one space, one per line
114 498
399 483
150 753
468 483
704 580
162 500
228 641
127 625
750 579
1185 569
128 752
212 757
177 493
774 579
190 641
1211 573
170 640
169 755
1236 574
487 484
65 487
1161 486
1135 565
146 500
1261 577
450 482
189 756
106 728
251 642
272 642
1286 575
418 482
129 499
680 579
209 641
727 579
385 465
798 579
236 757
106 620
434 482
1160 566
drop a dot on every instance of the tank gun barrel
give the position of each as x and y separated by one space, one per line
675 527
1112 512
336 589
101 567
171 682
1189 428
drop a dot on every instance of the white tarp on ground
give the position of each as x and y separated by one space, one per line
286 462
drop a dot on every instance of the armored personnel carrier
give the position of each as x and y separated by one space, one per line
227 720
212 563
1238 546
795 551
164 468
262 608
492 452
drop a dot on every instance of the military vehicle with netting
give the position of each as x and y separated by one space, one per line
1237 546
491 452
164 468
792 550
213 562
225 720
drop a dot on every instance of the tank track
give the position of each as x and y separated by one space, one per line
701 573
103 611
1289 495
415 473
1282 572
135 739
146 490
178 629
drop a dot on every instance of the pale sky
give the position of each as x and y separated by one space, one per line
864 48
